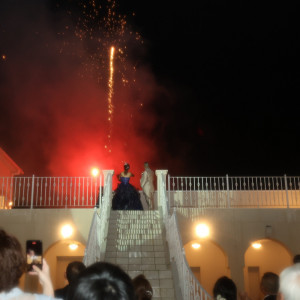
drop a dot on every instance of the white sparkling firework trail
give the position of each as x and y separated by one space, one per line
110 94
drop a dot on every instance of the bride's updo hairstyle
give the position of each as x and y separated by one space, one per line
126 166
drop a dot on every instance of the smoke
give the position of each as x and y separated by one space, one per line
53 112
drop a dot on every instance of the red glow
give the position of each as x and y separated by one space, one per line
66 121
79 131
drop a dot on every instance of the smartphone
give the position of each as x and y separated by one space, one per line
34 254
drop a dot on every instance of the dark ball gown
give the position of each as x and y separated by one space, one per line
126 196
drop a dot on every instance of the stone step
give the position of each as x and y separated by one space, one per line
139 225
149 245
125 214
152 274
125 261
136 232
130 254
158 257
137 246
134 219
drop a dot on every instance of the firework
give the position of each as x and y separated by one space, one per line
110 94
98 25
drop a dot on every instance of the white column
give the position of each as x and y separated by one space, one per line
105 182
161 179
106 172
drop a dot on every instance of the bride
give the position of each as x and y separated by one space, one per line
126 195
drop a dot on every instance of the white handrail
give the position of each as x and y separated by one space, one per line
190 287
96 244
105 208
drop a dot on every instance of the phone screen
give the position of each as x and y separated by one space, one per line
34 254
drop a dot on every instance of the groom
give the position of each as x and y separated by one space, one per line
147 185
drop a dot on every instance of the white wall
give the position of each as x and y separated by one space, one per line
211 259
233 230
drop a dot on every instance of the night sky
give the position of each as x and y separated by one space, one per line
203 88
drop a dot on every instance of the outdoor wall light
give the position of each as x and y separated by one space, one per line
256 245
202 230
73 246
196 245
66 231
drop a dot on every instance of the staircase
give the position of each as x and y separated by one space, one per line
136 243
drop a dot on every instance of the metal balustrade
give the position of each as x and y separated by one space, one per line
226 192
200 192
50 192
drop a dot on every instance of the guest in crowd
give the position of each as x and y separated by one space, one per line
142 287
289 283
13 265
104 281
73 270
225 289
269 285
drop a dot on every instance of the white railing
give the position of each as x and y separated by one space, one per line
105 207
92 249
190 287
200 192
96 243
225 192
50 192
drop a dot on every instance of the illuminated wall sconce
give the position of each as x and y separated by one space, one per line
202 230
73 246
196 245
66 231
256 245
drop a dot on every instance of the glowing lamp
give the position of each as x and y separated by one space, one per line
66 231
202 230
95 172
256 245
73 246
196 246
